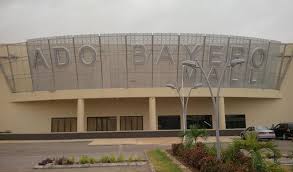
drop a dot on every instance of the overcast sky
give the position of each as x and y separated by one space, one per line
26 19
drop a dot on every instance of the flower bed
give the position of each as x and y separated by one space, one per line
201 158
247 155
86 162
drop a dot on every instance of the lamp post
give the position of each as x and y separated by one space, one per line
183 100
215 100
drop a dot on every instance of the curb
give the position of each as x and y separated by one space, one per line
175 161
150 164
52 166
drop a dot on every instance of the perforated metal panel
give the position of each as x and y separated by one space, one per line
140 60
88 61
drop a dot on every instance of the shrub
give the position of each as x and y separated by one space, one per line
105 159
209 164
211 150
108 159
61 161
177 149
131 158
70 161
92 160
46 161
112 158
120 158
274 167
231 167
84 159
134 158
254 148
193 156
190 136
137 158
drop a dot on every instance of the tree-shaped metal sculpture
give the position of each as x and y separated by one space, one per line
215 99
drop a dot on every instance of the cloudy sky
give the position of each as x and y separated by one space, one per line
25 19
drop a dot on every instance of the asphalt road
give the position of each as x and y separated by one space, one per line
21 157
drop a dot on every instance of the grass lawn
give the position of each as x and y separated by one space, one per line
161 162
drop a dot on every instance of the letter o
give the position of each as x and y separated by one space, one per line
85 48
257 62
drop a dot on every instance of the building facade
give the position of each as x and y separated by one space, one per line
117 82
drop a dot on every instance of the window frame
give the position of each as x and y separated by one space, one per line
178 116
102 124
201 115
131 129
64 122
234 114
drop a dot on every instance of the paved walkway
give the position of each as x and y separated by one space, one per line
155 140
21 157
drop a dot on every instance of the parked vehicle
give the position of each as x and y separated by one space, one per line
284 130
260 131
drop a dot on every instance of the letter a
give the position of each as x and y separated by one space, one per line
165 55
40 59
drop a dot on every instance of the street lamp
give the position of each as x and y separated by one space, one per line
215 100
183 101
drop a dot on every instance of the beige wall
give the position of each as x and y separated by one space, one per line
263 107
118 107
266 111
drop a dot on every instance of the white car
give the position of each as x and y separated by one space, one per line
260 131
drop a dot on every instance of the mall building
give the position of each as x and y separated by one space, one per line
117 82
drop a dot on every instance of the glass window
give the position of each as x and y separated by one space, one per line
168 122
235 121
101 124
201 121
63 124
131 123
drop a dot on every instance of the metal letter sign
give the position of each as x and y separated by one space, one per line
139 55
152 60
216 55
257 60
191 55
40 59
258 57
61 55
165 55
83 51
237 52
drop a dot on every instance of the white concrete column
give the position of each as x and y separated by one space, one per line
118 123
222 113
152 114
80 115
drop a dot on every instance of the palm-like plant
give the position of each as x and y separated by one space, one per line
190 136
254 149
